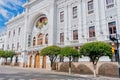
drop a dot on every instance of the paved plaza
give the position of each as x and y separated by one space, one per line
16 73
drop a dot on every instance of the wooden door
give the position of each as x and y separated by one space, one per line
30 64
44 62
37 60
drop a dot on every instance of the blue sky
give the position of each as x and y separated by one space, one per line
9 9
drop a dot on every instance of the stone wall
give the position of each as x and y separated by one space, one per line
103 68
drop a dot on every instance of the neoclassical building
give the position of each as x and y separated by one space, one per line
62 23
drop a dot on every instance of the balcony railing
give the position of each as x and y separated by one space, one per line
37 47
92 39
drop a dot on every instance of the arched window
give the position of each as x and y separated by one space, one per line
40 39
34 41
46 39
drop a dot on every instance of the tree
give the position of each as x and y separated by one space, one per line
7 54
94 51
1 53
11 54
70 53
52 52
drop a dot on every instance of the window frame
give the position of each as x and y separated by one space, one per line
112 26
90 5
61 37
62 16
75 11
75 34
92 31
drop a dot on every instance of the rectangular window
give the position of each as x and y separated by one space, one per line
75 12
109 3
14 33
3 47
61 37
9 33
29 40
75 34
8 46
19 31
92 31
90 7
17 45
112 27
12 46
62 16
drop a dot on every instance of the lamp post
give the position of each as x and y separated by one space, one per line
114 38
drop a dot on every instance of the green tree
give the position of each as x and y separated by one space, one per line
7 54
11 54
52 52
70 53
94 51
1 53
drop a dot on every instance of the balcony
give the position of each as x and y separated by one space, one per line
74 41
61 43
91 39
37 47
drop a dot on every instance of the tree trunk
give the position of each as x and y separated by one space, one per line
69 65
6 61
94 67
11 60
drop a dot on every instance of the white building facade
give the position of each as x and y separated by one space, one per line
62 23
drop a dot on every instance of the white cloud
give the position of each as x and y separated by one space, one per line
10 4
4 13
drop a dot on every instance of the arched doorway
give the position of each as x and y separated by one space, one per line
30 64
37 60
44 62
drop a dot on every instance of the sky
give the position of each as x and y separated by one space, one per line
9 9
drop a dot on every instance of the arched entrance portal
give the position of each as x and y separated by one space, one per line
44 62
30 64
37 60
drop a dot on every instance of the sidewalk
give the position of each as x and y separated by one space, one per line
64 73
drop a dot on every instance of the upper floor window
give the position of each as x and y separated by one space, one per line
34 41
40 39
13 32
8 46
12 46
109 3
18 45
92 31
9 33
3 46
75 12
19 31
46 39
90 7
75 34
62 16
61 37
112 27
29 40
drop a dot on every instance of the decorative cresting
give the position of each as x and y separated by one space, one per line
41 21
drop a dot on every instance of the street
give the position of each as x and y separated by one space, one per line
12 73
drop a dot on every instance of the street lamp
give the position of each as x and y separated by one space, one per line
114 38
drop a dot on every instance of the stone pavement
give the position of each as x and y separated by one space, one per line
14 70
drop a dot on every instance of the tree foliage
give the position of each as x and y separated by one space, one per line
7 54
95 50
69 52
1 52
52 52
